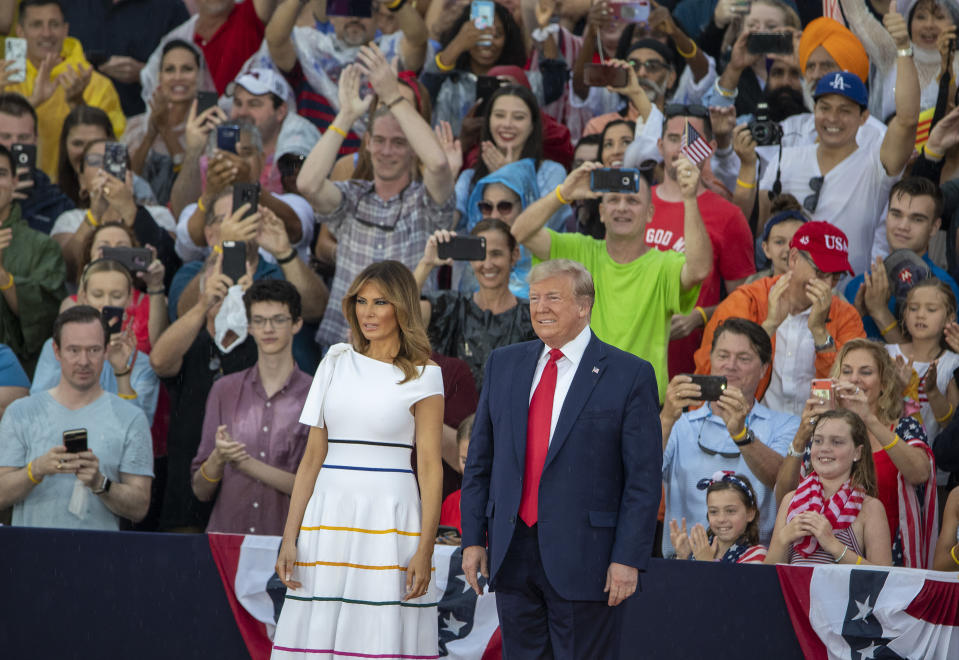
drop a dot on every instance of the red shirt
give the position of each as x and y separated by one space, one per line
232 44
450 511
887 489
732 242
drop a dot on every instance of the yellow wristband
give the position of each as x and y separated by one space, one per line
199 204
9 283
953 553
888 327
36 481
945 418
441 66
89 218
559 195
744 184
727 93
858 559
739 436
128 397
688 55
703 312
338 130
218 248
891 444
393 5
932 155
203 474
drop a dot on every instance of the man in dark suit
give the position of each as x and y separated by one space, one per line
563 477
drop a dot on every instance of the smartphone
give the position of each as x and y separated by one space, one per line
15 52
246 193
205 101
113 319
486 86
463 248
605 75
711 387
636 11
115 160
75 440
135 259
358 8
822 388
234 259
614 180
227 136
770 42
24 156
482 13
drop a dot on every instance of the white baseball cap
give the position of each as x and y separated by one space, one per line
259 82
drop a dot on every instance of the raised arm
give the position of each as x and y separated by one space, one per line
437 175
900 138
279 31
415 39
699 250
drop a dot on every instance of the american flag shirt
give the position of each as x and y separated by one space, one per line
368 229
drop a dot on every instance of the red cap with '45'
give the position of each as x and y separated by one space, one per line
826 244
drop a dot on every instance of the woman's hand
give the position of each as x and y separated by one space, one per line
159 110
452 147
469 35
816 524
198 127
155 272
430 254
679 538
853 399
118 194
493 157
419 573
792 531
120 348
904 370
285 563
703 550
930 380
952 333
745 146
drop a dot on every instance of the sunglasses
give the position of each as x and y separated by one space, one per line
713 452
685 110
812 201
502 207
652 66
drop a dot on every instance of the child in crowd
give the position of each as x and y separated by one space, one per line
450 511
733 533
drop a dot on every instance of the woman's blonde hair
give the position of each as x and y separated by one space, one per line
890 392
397 285
863 472
103 266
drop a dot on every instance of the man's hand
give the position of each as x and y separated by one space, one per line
621 581
896 26
778 308
733 409
272 234
687 176
744 145
221 173
155 272
819 294
452 147
56 461
352 107
681 393
88 471
74 82
875 285
214 284
43 86
633 91
237 228
740 58
227 450
475 561
723 120
576 185
681 325
380 71
122 68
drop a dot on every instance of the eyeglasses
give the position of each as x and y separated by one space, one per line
713 452
685 110
828 277
812 201
503 207
652 66
278 321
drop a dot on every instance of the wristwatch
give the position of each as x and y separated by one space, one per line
748 438
829 344
904 52
104 486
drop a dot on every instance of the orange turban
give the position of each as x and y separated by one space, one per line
839 42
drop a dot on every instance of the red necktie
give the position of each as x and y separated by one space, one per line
537 438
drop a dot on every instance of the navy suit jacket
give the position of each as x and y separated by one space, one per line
600 488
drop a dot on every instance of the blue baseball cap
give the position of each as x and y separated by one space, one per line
845 84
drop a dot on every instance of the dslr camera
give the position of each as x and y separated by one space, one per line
765 131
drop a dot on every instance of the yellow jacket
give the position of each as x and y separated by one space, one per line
99 93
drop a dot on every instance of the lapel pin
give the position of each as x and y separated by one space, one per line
595 370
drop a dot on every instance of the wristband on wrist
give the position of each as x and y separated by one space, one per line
858 559
888 327
36 481
690 54
740 435
128 397
703 312
339 131
288 258
88 216
9 283
904 52
744 184
199 204
559 195
931 154
396 6
892 444
952 553
945 418
441 66
203 474
726 93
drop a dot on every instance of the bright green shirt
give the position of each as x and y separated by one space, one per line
634 301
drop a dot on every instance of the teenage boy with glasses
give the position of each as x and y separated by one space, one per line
252 442
838 179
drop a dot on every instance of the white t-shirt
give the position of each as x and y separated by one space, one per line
852 197
69 221
189 251
794 365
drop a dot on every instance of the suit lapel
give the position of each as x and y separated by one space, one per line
584 380
520 386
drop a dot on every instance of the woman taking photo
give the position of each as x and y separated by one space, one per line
866 382
469 326
357 548
834 516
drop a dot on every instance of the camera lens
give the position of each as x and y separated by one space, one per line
625 181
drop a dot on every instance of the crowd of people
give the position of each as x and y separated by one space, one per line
805 264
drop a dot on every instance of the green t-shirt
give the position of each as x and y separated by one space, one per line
634 301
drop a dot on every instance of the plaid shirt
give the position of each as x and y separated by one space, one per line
369 229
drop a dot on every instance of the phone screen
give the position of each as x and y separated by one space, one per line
115 160
75 440
358 8
227 136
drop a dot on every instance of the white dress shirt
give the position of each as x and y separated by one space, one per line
794 365
565 370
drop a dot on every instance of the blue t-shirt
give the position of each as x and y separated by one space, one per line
117 433
872 331
11 373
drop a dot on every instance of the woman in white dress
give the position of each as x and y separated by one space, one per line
357 549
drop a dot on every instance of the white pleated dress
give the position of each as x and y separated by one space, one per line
362 524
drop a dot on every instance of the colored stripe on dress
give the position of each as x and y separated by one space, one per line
352 601
356 655
347 565
331 528
370 442
363 469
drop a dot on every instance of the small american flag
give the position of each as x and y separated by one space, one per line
694 146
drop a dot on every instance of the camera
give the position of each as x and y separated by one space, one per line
765 131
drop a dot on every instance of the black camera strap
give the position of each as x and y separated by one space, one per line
777 185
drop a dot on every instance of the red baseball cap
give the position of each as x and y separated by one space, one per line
826 244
